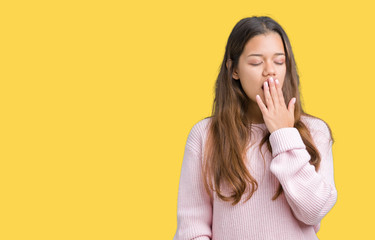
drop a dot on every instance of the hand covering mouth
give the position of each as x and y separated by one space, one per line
262 87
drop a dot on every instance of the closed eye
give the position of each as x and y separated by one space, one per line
257 64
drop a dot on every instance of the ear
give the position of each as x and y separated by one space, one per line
229 65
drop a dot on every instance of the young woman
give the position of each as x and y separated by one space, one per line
259 167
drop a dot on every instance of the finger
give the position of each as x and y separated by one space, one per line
292 105
267 96
280 93
261 105
274 94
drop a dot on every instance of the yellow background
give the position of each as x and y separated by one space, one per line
98 97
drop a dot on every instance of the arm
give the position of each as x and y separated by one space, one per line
310 194
194 208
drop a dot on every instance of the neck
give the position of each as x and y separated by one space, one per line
254 113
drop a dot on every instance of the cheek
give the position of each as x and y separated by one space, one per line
282 73
281 77
281 80
252 75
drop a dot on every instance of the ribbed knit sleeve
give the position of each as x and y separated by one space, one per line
310 194
194 208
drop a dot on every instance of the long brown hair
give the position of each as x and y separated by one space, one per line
228 132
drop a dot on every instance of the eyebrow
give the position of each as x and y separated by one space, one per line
260 55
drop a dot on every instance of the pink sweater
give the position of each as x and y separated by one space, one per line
296 214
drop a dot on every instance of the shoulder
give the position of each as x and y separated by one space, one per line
198 134
202 125
318 127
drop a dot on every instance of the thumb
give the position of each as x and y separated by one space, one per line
292 105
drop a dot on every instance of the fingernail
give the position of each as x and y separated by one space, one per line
277 81
266 84
294 100
271 79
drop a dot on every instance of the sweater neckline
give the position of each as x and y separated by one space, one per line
258 125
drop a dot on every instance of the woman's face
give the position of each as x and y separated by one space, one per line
263 57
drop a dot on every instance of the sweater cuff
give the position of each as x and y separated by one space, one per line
285 139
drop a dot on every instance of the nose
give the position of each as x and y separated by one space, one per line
269 69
